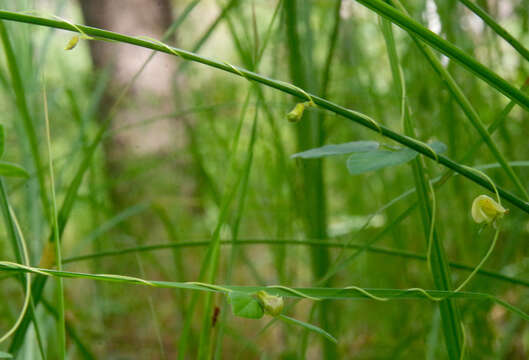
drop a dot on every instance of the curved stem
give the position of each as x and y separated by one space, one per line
478 267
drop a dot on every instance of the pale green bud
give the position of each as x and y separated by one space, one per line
272 305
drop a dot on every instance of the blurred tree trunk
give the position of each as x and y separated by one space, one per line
150 94
134 148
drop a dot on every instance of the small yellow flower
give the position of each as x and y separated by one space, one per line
485 209
272 305
72 43
297 113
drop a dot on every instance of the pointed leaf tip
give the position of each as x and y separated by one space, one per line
12 170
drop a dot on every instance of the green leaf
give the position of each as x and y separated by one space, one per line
4 355
309 327
338 149
438 147
13 170
245 305
2 140
374 160
359 163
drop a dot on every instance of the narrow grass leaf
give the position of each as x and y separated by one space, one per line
23 109
448 49
338 245
12 170
2 140
352 115
498 29
309 327
297 16
437 260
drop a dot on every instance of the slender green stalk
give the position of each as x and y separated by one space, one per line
23 109
286 88
19 248
278 242
284 169
61 331
437 259
310 135
498 29
208 271
209 31
37 331
467 108
238 217
326 293
450 50
70 198
84 351
487 255
333 39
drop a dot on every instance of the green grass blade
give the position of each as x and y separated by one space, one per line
448 49
438 264
84 351
309 327
239 214
291 242
70 198
8 169
467 108
210 30
325 293
309 135
209 267
23 109
61 331
498 29
21 253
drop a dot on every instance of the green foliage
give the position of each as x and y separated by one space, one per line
378 255
339 149
368 155
12 170
245 305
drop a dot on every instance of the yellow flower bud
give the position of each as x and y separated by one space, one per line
296 113
272 305
485 209
72 43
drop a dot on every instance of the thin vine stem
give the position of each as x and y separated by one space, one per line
281 86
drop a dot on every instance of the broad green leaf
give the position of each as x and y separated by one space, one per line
2 140
4 355
338 149
359 163
245 305
309 327
13 170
